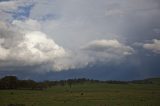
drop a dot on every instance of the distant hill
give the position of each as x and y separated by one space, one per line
154 80
147 81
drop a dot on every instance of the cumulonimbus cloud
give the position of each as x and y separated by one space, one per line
24 47
22 43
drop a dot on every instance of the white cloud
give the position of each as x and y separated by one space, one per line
33 47
107 50
154 46
37 48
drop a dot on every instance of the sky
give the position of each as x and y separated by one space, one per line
96 39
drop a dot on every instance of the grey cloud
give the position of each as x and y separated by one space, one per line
81 21
9 35
23 44
74 23
98 51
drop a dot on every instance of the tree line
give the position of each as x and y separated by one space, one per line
12 82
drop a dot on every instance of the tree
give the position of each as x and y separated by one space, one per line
9 82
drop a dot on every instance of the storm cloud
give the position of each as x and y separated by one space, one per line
23 44
58 35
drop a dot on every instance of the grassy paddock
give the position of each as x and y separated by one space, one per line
88 94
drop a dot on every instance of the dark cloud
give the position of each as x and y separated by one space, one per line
107 39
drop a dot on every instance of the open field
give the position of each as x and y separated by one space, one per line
88 94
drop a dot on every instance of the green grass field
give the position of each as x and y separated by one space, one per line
88 94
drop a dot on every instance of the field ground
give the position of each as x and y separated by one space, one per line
88 94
